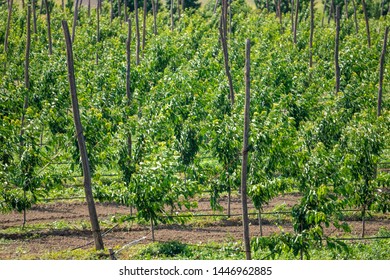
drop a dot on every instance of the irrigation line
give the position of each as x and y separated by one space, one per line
132 243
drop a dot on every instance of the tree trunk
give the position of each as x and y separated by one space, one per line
125 11
381 71
89 8
34 15
346 8
260 224
367 23
336 50
81 143
48 27
245 218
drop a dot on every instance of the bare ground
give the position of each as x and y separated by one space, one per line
47 236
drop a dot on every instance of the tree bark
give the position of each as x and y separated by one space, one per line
81 143
381 71
245 218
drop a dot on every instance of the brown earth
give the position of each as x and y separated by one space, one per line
47 236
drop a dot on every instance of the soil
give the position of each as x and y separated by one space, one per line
35 243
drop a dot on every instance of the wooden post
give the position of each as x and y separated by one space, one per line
223 34
260 223
336 50
25 103
367 23
296 22
81 143
97 30
34 15
311 33
48 27
144 27
128 44
381 71
137 32
75 15
245 148
8 26
125 11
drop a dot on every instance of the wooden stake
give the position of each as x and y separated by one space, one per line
311 33
48 27
8 26
144 27
381 71
25 103
245 218
336 50
137 32
81 143
75 15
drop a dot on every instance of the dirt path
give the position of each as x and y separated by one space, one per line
49 236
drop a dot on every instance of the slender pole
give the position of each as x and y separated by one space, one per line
381 71
75 15
25 103
144 27
97 30
48 27
172 21
34 15
10 4
81 143
336 50
137 32
245 154
311 33
154 8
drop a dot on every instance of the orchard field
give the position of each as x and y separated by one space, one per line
128 126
